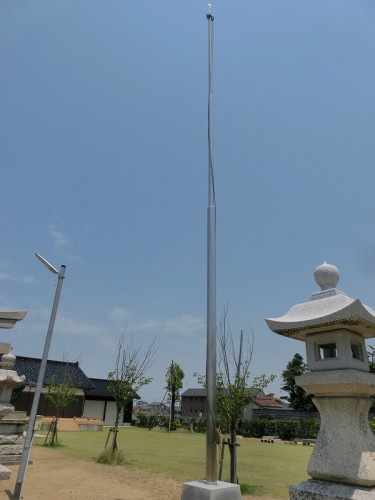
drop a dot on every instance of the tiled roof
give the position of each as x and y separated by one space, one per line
265 401
194 393
101 390
57 369
258 398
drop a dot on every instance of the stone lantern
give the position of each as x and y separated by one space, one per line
334 328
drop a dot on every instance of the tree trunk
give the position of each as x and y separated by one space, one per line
54 432
113 446
173 402
233 455
221 458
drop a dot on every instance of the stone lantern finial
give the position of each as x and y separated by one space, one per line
327 276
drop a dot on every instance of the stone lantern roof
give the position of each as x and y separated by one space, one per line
328 309
9 318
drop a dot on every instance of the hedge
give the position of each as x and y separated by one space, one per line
284 429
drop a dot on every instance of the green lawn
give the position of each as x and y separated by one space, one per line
268 469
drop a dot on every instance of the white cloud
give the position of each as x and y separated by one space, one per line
119 314
24 279
61 242
185 325
146 325
27 279
66 325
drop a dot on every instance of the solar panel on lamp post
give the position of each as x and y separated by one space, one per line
34 408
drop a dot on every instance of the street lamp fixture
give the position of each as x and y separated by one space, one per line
34 408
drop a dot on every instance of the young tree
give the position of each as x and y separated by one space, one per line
297 396
60 394
132 363
174 379
234 389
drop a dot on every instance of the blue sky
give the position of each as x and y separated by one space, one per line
103 148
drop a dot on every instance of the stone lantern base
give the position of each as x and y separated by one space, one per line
324 490
11 438
199 490
345 446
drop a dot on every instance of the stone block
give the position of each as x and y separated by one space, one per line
324 490
4 473
12 449
5 348
10 439
10 429
199 490
12 459
19 416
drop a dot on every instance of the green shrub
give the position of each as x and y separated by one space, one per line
151 420
117 458
177 424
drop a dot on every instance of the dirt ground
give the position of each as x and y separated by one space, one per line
67 478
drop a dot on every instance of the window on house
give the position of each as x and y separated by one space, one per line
357 352
327 351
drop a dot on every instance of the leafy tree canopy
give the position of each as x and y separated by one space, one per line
174 377
297 396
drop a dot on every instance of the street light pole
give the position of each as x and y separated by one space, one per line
211 427
34 408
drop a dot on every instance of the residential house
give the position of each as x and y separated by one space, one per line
56 371
100 404
92 396
158 408
262 406
193 403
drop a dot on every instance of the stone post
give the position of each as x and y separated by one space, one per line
11 423
334 328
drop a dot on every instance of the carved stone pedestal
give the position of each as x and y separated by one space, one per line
324 490
11 438
345 447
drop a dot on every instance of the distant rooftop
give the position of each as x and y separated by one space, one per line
194 393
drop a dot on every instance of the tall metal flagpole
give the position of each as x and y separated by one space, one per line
211 456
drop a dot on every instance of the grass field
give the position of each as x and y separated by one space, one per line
267 469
